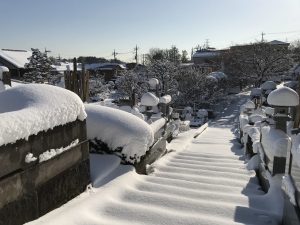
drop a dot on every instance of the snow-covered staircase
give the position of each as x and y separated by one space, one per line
202 181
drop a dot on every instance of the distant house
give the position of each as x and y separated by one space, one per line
110 71
208 59
15 61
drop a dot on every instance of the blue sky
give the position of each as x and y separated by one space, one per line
97 27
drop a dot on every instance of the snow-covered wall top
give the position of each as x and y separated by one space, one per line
28 109
283 96
275 142
117 128
165 99
268 85
149 99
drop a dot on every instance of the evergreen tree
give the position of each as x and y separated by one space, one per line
39 67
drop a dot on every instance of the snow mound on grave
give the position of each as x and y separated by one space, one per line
149 99
275 142
119 129
268 85
28 109
283 96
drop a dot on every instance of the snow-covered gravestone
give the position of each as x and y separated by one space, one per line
149 100
248 108
283 99
256 95
164 104
3 70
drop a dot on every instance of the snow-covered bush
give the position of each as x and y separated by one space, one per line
118 132
166 72
98 89
131 82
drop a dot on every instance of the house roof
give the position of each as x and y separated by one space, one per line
206 54
276 42
16 57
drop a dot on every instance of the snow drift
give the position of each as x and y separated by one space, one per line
28 109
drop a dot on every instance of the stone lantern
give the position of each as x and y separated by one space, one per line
256 96
154 85
4 75
149 100
267 87
283 100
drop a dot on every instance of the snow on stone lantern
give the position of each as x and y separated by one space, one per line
153 83
149 100
267 87
256 95
283 100
164 105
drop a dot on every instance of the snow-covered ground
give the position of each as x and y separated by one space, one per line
201 180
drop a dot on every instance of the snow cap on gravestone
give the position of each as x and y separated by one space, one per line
2 70
283 96
249 105
149 99
268 85
153 82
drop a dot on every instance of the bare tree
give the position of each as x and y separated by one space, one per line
255 62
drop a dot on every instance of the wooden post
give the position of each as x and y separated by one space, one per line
297 117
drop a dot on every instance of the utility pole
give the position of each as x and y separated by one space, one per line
46 51
192 53
144 59
207 43
114 54
262 36
136 54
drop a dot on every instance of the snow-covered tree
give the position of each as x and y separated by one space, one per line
98 88
257 61
195 87
130 82
166 72
39 67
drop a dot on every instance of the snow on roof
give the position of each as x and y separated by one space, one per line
218 75
104 66
283 96
118 128
206 54
149 99
276 42
268 85
66 66
16 57
28 109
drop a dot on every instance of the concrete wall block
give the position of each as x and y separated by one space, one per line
20 211
63 187
12 157
11 188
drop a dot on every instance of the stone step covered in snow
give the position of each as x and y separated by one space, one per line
201 181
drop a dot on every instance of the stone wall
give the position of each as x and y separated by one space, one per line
29 190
